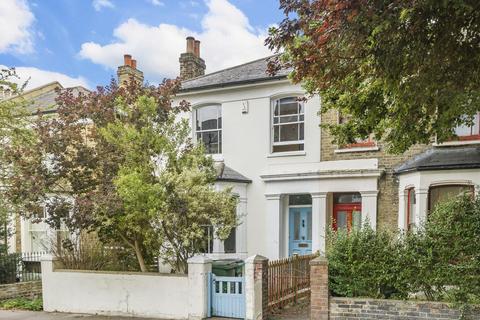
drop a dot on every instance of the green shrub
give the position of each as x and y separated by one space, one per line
362 263
22 304
441 260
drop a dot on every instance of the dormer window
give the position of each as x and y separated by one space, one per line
208 128
288 125
466 132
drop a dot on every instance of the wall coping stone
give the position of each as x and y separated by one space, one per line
131 273
256 259
319 261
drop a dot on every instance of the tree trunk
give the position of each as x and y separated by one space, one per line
140 259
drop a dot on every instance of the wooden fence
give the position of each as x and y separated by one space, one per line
288 279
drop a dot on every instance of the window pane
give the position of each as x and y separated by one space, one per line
276 108
296 225
288 106
347 198
356 220
341 220
229 243
219 142
210 141
309 226
465 130
301 131
289 132
207 117
299 199
276 133
286 119
288 147
444 193
411 207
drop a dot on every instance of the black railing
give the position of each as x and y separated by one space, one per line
20 267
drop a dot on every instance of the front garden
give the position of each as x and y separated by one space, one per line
439 261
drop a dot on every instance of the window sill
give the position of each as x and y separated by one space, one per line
358 149
456 143
286 154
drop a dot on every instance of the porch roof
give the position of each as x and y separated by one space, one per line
227 174
443 158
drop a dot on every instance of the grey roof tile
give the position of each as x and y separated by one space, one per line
225 173
251 72
46 101
441 158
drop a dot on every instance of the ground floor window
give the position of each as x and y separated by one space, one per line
347 211
411 208
229 245
442 193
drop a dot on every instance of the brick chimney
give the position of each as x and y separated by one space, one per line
128 71
191 65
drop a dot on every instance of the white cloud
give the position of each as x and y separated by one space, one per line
99 4
227 39
157 3
16 20
40 77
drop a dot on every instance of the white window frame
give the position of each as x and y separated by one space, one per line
219 130
273 124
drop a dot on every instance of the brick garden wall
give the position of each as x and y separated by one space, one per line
387 214
325 307
29 289
371 309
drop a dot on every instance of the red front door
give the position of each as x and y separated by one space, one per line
347 216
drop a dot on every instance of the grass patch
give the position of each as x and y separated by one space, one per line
22 304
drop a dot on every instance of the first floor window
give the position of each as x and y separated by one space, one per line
359 143
442 193
410 208
288 125
469 132
208 128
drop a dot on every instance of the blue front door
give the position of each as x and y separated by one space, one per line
300 231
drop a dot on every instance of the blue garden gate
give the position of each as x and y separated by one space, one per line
226 296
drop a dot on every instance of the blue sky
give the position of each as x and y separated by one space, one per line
82 41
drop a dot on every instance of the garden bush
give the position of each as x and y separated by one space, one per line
440 260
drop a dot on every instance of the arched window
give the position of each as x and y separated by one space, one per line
208 127
288 125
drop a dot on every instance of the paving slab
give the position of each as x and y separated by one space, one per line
36 315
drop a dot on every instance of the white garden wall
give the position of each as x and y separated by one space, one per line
153 295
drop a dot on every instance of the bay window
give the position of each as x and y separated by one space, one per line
288 125
208 128
442 193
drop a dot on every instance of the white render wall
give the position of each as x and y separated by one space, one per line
155 295
246 149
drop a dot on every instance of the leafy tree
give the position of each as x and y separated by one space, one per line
13 122
116 162
403 70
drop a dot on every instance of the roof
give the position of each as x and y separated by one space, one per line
250 72
227 174
443 158
46 101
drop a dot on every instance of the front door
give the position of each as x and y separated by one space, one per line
300 231
347 216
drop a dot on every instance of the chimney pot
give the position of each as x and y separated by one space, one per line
191 45
134 64
127 60
197 48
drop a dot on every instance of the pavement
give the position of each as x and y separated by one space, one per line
37 315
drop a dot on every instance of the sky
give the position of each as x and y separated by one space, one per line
82 42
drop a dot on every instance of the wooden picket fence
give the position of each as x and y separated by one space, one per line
288 280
